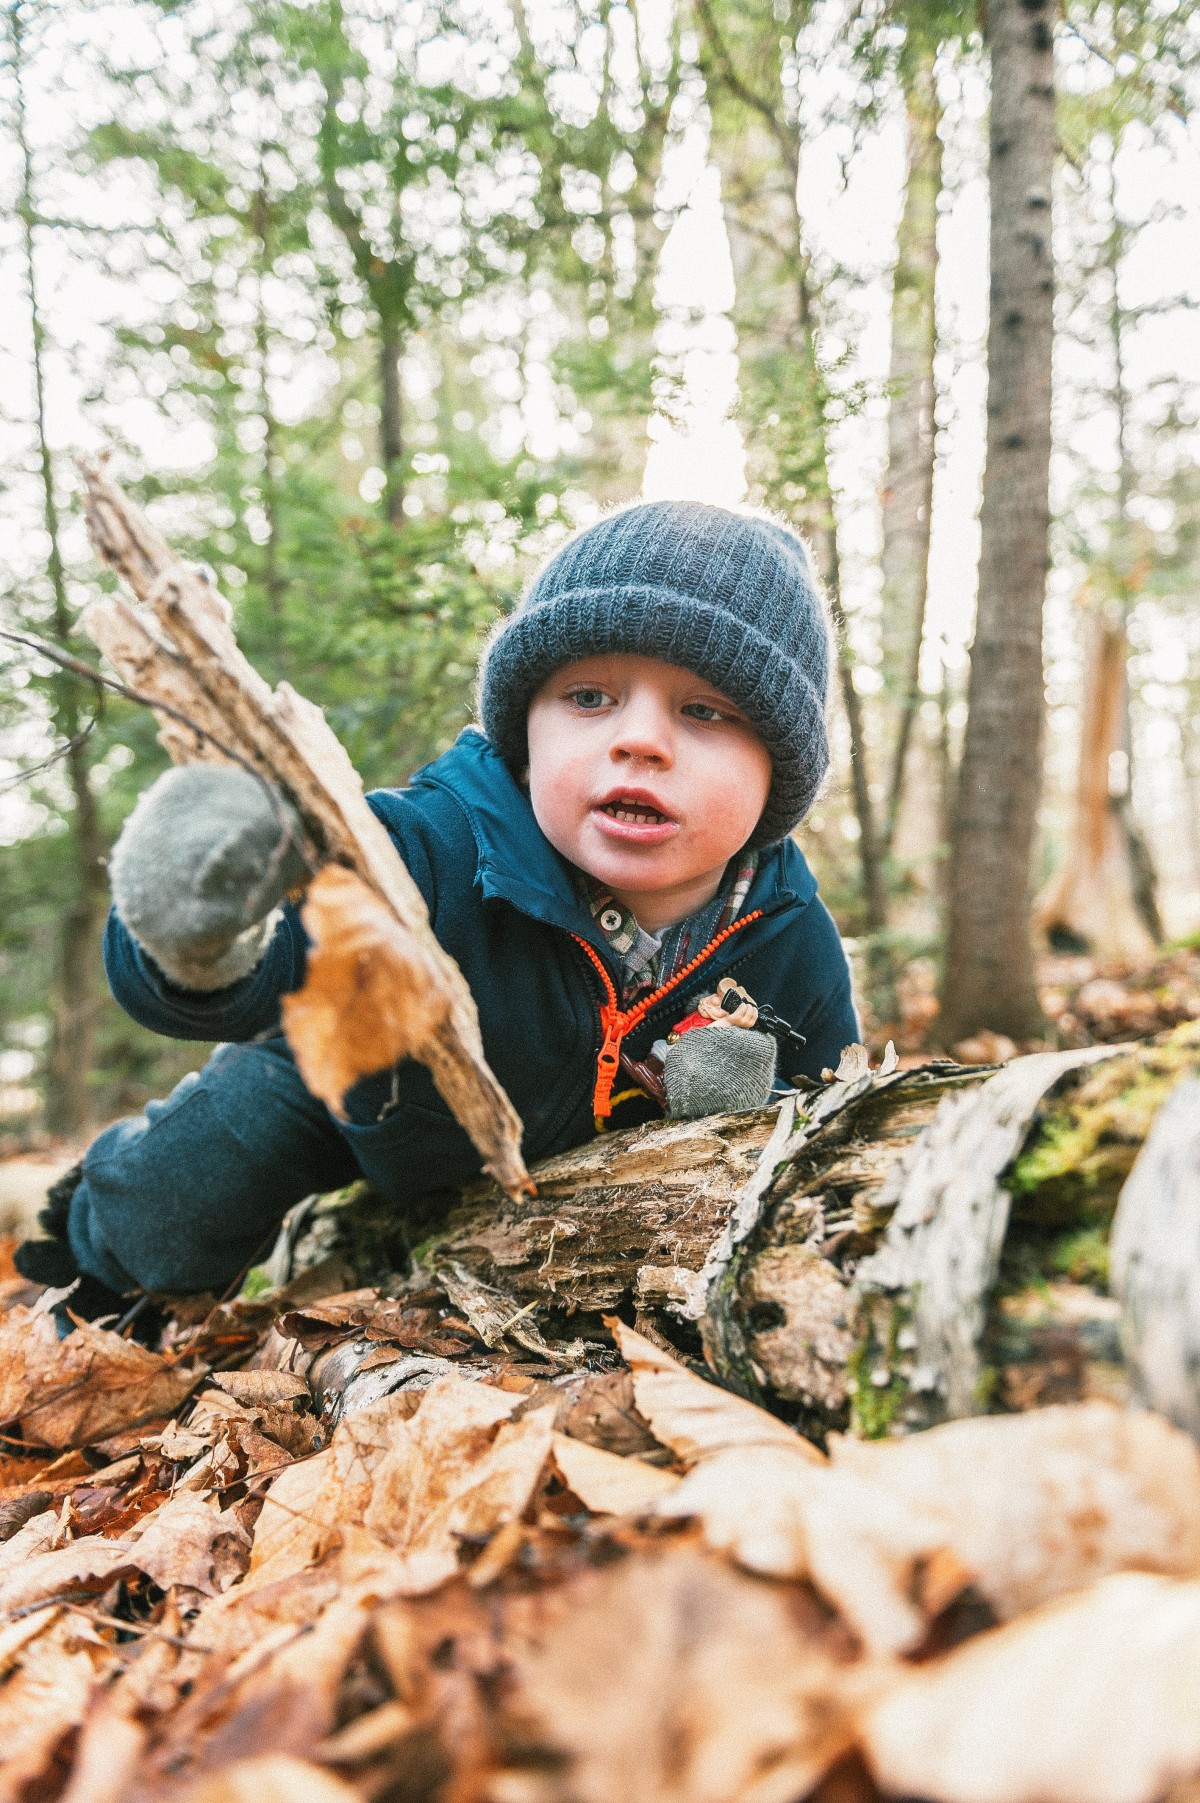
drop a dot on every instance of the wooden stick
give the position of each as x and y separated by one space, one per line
176 646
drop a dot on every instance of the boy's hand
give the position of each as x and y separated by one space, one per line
718 1070
200 866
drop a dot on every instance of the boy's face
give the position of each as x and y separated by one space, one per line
645 776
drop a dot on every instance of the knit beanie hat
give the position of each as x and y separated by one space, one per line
728 595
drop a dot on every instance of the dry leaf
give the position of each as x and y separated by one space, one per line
1038 1504
678 1679
370 1734
46 1697
369 997
296 1526
693 1417
256 1389
15 1634
274 1778
607 1484
37 1536
76 1391
1093 1699
190 1545
458 1467
308 1506
81 1568
109 1748
779 1514
281 1691
417 1483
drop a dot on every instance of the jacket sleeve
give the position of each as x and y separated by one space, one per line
240 1012
823 1008
251 1006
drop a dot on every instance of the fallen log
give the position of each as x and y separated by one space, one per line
935 1246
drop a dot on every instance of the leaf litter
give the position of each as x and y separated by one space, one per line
230 1570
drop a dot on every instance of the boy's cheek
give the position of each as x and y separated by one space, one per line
558 800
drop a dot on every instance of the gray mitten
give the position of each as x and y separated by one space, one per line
199 871
718 1070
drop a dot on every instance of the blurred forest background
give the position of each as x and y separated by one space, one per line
375 300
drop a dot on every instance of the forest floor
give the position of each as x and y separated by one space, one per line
1086 1002
321 1543
225 1580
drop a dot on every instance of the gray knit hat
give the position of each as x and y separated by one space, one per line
728 595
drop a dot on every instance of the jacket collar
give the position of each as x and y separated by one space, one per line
517 864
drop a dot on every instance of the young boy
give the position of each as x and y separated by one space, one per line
605 860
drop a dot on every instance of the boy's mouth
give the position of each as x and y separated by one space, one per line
632 814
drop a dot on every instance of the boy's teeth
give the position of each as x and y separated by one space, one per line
636 815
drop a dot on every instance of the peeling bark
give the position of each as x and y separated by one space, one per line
1156 1261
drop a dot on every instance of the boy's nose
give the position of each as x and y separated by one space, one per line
643 734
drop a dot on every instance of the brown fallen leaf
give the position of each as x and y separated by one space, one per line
459 1467
1092 1699
598 1406
272 1778
693 1417
188 1544
297 1525
255 1389
84 1567
1039 1504
280 1691
880 1562
44 1700
15 1511
606 1484
15 1634
36 1536
110 1745
370 997
75 1391
419 1484
682 1680
370 1734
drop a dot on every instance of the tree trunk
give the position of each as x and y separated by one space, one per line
1096 903
908 492
68 1098
989 958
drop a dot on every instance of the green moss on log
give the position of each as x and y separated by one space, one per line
1070 1172
880 1368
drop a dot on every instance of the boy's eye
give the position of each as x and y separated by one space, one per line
703 710
588 699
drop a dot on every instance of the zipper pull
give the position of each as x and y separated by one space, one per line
608 1062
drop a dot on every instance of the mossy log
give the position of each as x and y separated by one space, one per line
935 1245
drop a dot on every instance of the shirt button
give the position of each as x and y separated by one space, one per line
610 920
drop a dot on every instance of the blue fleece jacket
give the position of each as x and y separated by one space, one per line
508 909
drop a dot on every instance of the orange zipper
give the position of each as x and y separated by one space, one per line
615 1026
